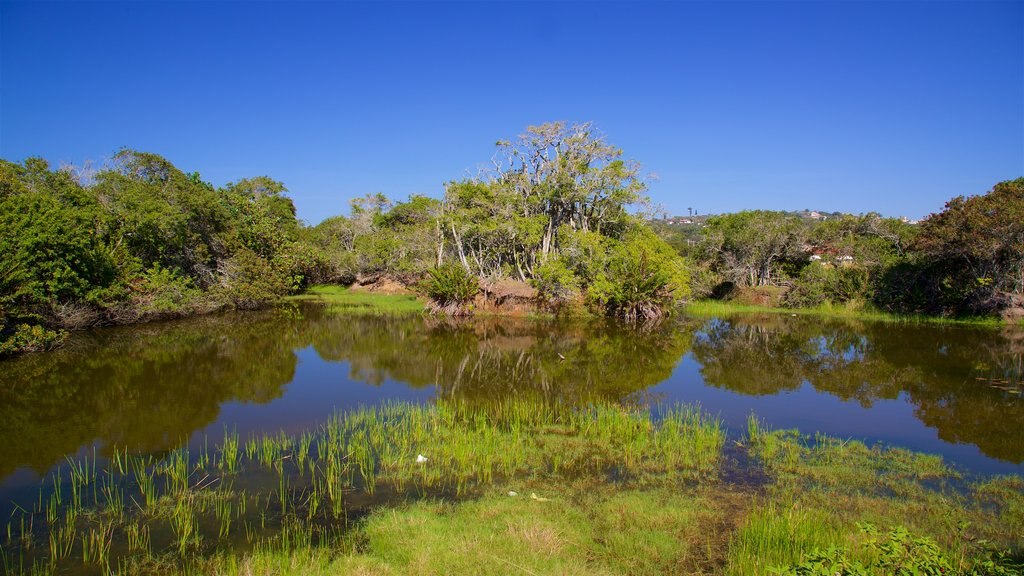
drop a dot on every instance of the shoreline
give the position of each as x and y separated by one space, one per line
456 487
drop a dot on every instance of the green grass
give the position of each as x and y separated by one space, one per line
826 490
720 308
342 300
518 487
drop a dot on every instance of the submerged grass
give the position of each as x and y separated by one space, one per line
725 309
343 300
516 487
829 495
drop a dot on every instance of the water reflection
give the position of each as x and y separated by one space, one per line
149 387
963 382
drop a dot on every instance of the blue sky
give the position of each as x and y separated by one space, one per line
853 106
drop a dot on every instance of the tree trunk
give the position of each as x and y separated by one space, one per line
462 253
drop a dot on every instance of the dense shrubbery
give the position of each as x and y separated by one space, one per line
643 278
138 240
141 239
966 260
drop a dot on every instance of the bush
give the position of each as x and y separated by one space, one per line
451 289
823 283
897 553
161 292
555 282
644 278
249 281
26 338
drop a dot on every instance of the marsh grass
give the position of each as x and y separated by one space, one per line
509 487
825 490
716 308
303 490
342 300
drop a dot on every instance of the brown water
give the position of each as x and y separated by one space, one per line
951 390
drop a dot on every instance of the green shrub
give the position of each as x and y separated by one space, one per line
249 281
163 292
555 282
898 553
644 278
26 338
451 289
824 283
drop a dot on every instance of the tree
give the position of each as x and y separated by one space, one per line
974 249
751 247
643 278
551 179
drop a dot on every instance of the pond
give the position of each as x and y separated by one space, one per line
950 390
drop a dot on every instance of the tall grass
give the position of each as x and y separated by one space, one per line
301 489
596 469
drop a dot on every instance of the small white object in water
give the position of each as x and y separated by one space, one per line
420 458
513 493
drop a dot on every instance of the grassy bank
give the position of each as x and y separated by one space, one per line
346 300
724 309
519 487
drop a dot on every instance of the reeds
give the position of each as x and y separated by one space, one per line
184 505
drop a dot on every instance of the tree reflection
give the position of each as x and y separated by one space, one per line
484 359
964 382
149 387
146 387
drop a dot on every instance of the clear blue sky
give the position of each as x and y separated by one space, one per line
854 106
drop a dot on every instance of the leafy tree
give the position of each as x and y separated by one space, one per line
50 251
973 251
142 239
753 247
552 179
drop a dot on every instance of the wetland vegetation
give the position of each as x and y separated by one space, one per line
387 414
593 425
562 218
520 486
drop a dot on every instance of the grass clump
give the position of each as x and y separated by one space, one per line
451 289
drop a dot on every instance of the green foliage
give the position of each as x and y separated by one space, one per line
972 253
555 282
753 247
248 280
451 289
964 261
158 292
829 284
49 248
142 240
897 553
27 338
643 278
378 238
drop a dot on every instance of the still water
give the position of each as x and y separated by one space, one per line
951 390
